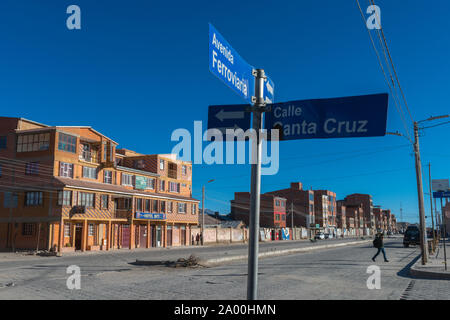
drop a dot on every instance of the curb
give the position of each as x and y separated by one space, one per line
211 262
428 274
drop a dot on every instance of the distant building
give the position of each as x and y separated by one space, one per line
301 202
272 210
325 210
355 217
365 200
341 215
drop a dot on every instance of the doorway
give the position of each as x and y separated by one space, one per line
78 236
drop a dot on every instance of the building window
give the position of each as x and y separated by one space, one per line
163 207
66 170
183 170
91 229
89 172
67 143
138 164
150 183
194 208
277 217
105 201
107 176
148 205
311 208
182 207
277 203
155 205
283 217
138 204
169 207
3 142
127 179
33 142
27 229
311 196
105 151
33 198
66 230
32 168
174 187
65 198
86 199
162 185
161 164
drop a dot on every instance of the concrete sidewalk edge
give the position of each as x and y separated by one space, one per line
216 261
415 271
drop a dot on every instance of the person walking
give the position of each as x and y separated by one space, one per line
378 243
197 238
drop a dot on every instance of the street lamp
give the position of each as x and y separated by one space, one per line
203 210
418 164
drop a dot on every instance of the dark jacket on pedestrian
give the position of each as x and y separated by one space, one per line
378 242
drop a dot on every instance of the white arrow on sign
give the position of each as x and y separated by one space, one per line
221 115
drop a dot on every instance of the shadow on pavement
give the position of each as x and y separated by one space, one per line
404 273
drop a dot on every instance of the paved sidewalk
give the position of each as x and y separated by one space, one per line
435 268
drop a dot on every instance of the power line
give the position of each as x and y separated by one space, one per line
391 89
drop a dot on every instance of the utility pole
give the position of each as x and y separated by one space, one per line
401 217
423 234
431 204
253 245
445 233
203 214
292 220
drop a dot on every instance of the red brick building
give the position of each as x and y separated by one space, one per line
341 216
365 200
68 188
302 202
272 210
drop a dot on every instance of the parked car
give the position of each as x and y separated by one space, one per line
319 235
411 236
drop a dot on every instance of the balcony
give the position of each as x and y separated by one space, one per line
89 156
121 214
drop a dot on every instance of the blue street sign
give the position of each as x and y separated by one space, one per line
226 64
441 194
229 117
348 117
151 216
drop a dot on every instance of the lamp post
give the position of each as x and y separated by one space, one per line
418 165
203 211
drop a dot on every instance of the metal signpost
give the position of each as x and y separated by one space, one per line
441 195
348 117
253 86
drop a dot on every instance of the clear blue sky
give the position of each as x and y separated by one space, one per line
137 70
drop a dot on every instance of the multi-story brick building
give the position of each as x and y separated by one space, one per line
301 202
341 216
272 209
325 210
387 219
367 205
355 214
68 188
380 221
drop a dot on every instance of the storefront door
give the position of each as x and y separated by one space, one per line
78 236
